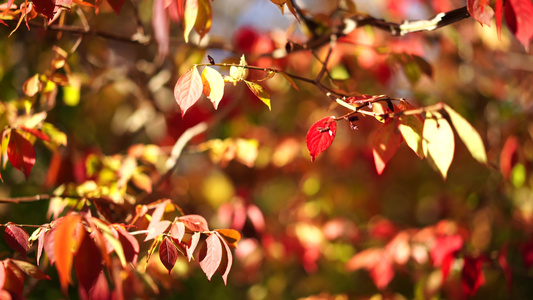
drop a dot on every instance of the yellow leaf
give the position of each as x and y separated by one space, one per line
238 73
189 18
246 151
204 18
438 142
468 135
411 128
260 92
290 80
213 85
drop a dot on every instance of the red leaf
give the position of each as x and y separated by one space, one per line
14 279
386 142
130 245
116 5
443 252
382 273
64 247
228 262
45 7
480 11
37 133
168 254
17 239
320 136
194 222
48 244
156 230
504 264
40 246
527 253
177 230
160 24
21 153
2 276
211 255
472 275
29 269
518 17
87 264
194 242
508 156
499 11
188 89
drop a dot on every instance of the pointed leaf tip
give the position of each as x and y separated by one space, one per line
468 135
188 89
320 136
438 142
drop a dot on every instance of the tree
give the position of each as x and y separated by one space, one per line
312 161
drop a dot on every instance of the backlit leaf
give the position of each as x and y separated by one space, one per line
518 17
411 129
211 255
177 231
480 11
204 18
213 85
320 136
157 229
87 263
260 92
65 245
194 222
386 142
189 18
472 277
194 242
468 135
237 74
160 25
21 153
508 156
188 89
228 261
231 236
17 239
290 80
36 132
438 143
168 254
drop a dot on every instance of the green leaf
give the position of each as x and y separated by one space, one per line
438 143
468 135
260 92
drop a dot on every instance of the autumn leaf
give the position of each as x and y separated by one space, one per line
177 231
228 261
204 18
17 239
188 89
37 133
320 136
192 246
289 80
472 277
87 263
168 254
160 25
411 129
65 245
480 11
438 143
260 92
189 18
130 245
518 17
386 142
468 135
194 222
443 252
21 153
508 156
45 7
237 73
116 5
211 255
231 236
29 269
213 85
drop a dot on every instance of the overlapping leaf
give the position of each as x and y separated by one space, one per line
188 89
211 255
468 135
386 142
438 143
480 10
213 85
518 17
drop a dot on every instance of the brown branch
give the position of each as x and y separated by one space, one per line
36 198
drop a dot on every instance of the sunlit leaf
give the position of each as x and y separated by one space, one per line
227 261
29 269
194 242
65 245
518 17
260 92
290 80
211 255
189 18
320 136
411 129
168 254
194 222
130 245
188 89
213 85
177 231
480 10
87 263
21 153
204 18
386 142
231 236
438 143
468 135
237 74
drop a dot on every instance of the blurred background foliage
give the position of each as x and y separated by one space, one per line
301 221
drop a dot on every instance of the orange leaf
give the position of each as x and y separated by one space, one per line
65 244
230 235
21 153
386 142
